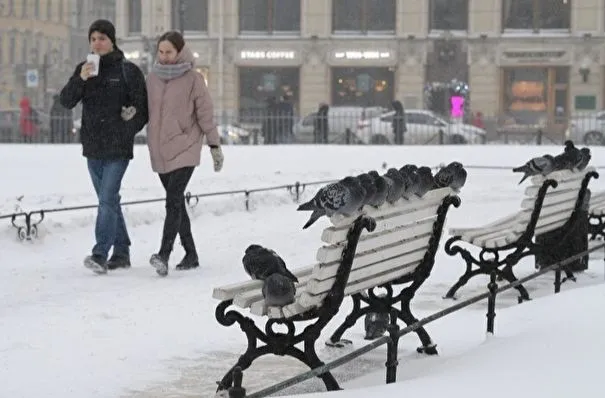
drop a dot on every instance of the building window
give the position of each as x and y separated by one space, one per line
49 10
7 9
536 15
134 17
363 16
37 9
363 86
448 15
535 96
269 16
12 49
24 8
194 15
260 85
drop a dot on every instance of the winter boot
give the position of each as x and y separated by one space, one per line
160 263
96 263
190 261
118 261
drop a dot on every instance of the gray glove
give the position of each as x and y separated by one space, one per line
217 158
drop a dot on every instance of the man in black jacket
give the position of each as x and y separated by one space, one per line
109 100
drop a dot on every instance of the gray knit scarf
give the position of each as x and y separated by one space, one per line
171 71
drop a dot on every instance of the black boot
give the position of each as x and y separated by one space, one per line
190 261
118 261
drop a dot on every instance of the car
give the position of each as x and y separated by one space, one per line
340 118
424 127
588 129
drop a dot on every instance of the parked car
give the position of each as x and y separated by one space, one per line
423 127
588 129
339 119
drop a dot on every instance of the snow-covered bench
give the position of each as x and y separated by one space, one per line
550 203
399 246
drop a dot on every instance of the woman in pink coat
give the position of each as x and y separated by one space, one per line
181 114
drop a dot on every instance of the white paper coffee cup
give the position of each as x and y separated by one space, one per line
94 59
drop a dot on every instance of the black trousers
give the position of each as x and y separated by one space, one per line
177 220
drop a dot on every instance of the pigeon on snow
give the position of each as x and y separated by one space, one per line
411 180
396 186
426 181
367 182
453 175
343 197
260 262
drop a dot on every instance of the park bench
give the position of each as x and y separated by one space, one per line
596 214
550 204
399 245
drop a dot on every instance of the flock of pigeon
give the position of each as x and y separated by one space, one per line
347 197
572 158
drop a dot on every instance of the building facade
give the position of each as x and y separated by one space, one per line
532 58
34 50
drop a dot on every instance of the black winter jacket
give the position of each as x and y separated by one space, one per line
104 134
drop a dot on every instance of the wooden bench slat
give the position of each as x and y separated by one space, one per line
497 224
434 196
327 254
532 191
228 292
325 271
554 196
561 175
334 236
315 286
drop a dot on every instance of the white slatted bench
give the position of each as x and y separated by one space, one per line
401 245
549 204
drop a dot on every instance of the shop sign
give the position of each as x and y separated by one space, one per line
524 56
362 55
267 54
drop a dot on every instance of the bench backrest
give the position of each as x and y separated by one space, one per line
559 202
394 249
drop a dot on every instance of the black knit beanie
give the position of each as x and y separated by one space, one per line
105 27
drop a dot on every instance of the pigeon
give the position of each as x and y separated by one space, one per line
278 290
260 262
569 159
376 324
397 186
343 197
367 182
541 165
453 175
411 180
382 189
425 180
586 156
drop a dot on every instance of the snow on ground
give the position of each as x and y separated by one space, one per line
132 334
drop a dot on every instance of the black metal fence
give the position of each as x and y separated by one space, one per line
370 126
395 333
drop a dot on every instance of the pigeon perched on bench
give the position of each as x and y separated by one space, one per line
343 197
586 156
396 185
367 182
278 290
260 262
570 159
453 175
382 189
411 180
426 181
542 165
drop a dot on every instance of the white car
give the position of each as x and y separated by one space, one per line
423 128
588 129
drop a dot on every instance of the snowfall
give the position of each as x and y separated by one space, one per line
65 332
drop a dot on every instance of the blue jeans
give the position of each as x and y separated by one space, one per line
110 227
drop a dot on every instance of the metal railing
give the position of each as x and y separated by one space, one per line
395 333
